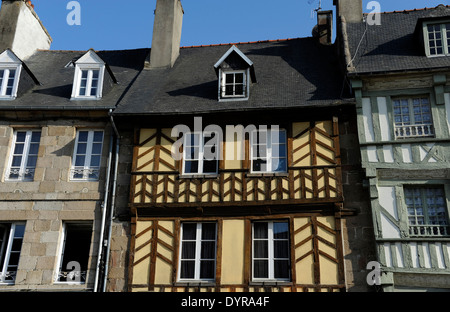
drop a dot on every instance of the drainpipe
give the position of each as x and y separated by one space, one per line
104 205
111 214
112 206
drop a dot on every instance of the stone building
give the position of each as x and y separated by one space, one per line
399 71
58 156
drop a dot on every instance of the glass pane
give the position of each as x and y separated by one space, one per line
20 136
189 231
19 149
34 149
208 250
279 164
16 161
261 249
188 250
83 136
96 148
280 230
95 74
95 161
207 270
93 91
79 161
81 149
281 269
98 136
260 165
239 90
187 269
19 231
229 78
260 230
84 74
191 166
281 249
209 231
261 268
31 162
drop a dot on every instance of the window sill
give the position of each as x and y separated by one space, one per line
270 283
199 176
268 174
195 284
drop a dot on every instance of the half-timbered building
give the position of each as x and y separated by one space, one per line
398 65
238 158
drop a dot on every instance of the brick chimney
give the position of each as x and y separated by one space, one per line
21 29
166 34
351 10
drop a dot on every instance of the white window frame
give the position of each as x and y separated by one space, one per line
5 79
198 247
5 251
86 169
82 275
201 154
444 38
222 85
269 149
25 155
271 259
90 68
413 128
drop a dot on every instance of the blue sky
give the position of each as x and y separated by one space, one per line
114 24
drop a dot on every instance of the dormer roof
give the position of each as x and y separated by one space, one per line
230 56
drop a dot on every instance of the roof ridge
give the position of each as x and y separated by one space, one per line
238 43
414 10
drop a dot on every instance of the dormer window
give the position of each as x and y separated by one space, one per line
88 80
234 84
10 68
235 72
437 39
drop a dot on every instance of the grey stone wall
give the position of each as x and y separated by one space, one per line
49 200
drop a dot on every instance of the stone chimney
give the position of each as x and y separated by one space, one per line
21 30
325 27
351 10
166 34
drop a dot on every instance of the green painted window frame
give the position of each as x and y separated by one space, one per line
427 229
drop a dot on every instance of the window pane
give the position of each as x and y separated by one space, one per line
189 231
82 148
95 161
18 149
187 269
207 270
97 148
79 161
98 136
191 166
281 268
188 250
280 230
261 249
20 136
83 136
208 250
229 78
281 249
260 230
261 268
209 231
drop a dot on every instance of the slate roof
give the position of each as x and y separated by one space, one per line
289 73
55 80
395 45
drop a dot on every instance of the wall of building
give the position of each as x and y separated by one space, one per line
49 200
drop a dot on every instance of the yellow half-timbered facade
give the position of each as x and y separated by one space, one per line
237 229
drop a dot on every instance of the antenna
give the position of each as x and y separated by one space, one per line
314 11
